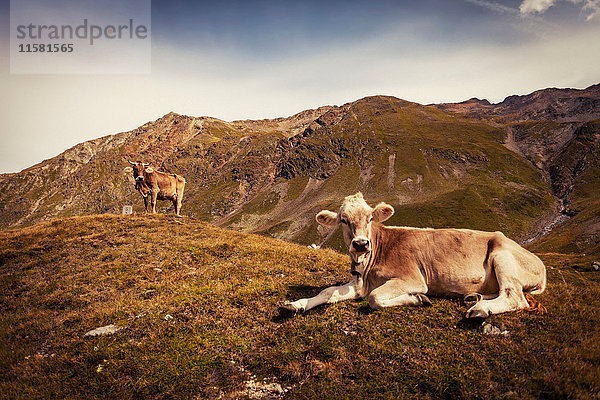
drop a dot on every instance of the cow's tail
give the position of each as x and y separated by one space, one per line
179 178
534 305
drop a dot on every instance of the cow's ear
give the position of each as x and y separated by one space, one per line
327 218
382 212
149 170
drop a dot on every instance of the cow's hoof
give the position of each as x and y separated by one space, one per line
471 299
477 312
424 300
287 310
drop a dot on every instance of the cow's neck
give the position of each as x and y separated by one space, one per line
366 261
143 188
356 268
359 270
361 265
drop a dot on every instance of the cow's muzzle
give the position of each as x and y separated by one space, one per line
361 245
139 178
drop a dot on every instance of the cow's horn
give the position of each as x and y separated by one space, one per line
132 163
145 164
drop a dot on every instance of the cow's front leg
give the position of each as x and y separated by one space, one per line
471 299
332 294
146 203
398 293
153 201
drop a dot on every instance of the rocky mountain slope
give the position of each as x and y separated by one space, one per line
558 131
481 166
558 105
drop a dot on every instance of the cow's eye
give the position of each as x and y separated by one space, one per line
343 221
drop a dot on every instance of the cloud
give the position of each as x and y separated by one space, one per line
535 6
593 8
45 114
528 25
494 6
531 7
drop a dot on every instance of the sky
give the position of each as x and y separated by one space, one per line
264 59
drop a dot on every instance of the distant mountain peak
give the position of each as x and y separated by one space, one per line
475 100
562 105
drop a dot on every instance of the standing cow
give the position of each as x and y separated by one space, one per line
158 185
395 266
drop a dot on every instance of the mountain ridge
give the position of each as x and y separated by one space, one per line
559 105
436 165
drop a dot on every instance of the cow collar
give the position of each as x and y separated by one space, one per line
364 261
353 270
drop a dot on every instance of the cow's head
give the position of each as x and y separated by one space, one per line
138 170
356 218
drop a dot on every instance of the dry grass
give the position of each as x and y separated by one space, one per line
198 307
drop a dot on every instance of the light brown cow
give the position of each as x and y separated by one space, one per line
158 186
395 266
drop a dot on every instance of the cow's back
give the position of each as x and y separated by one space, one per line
166 184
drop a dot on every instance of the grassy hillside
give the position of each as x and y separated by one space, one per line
436 169
197 307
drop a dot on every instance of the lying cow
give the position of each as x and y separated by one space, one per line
158 185
395 266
